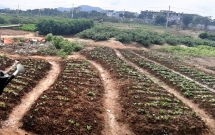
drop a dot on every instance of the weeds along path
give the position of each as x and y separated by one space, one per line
12 124
113 108
175 72
210 122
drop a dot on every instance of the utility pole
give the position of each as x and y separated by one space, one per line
123 14
167 20
40 12
72 10
17 10
181 22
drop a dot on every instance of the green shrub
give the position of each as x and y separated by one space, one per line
66 47
156 39
203 35
141 36
49 37
62 54
208 36
124 38
56 41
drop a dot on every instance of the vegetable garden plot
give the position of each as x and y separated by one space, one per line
21 84
179 67
200 95
73 105
148 108
5 62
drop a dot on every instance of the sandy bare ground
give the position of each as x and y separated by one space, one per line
10 32
209 121
112 43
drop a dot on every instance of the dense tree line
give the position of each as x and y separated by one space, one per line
63 27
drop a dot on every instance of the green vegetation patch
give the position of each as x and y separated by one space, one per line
27 27
64 26
142 36
64 46
208 36
197 51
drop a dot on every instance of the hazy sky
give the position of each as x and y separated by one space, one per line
202 7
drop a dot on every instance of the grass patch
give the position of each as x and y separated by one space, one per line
27 27
196 51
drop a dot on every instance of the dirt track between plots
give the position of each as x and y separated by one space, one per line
113 109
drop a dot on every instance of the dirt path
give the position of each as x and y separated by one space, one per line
11 126
176 72
112 43
210 122
113 108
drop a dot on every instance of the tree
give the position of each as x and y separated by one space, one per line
197 20
145 15
15 20
3 20
187 19
206 22
160 20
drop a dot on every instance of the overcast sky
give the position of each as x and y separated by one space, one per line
202 7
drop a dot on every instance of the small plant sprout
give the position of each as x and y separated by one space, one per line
89 128
2 105
91 94
77 124
71 122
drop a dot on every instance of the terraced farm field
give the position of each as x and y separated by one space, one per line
105 91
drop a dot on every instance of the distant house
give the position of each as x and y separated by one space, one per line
211 27
112 13
173 16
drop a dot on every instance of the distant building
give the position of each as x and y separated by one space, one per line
112 13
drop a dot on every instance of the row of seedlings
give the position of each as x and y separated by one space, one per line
72 105
175 64
5 62
147 107
189 89
211 68
22 84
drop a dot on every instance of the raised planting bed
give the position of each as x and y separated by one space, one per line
5 62
189 89
173 63
22 84
73 104
147 107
